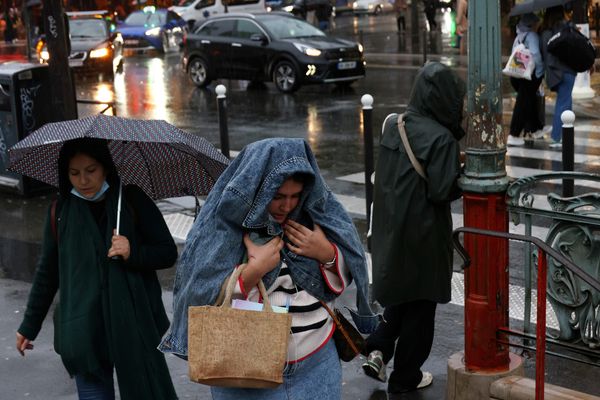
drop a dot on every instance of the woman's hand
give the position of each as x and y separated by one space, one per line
23 344
308 243
120 246
261 260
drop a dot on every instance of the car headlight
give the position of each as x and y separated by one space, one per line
355 5
153 31
99 53
288 9
360 48
309 51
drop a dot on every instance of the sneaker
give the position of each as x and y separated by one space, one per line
515 141
426 380
541 133
555 145
375 367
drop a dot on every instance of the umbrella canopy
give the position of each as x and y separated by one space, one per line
160 158
529 6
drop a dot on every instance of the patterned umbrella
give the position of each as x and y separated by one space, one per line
161 159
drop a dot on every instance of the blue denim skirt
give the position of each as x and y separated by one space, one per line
317 377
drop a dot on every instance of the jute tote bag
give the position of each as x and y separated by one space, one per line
237 348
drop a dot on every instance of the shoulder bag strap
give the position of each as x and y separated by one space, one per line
411 155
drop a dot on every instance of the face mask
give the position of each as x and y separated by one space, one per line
96 197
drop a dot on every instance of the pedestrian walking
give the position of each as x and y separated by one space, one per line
11 19
323 11
401 8
110 314
272 208
462 25
430 12
412 226
525 117
559 77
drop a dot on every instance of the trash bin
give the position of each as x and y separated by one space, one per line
24 107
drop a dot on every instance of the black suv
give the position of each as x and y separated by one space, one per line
274 47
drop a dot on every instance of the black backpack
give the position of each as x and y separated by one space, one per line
572 48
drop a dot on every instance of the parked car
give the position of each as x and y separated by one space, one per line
272 46
374 7
94 45
153 28
196 11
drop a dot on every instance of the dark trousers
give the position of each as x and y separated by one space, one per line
407 336
430 14
401 23
526 115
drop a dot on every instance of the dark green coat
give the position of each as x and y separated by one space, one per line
110 312
412 223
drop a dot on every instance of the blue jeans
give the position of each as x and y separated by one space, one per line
564 101
317 377
96 388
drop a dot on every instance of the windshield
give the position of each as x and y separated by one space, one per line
87 28
289 28
146 19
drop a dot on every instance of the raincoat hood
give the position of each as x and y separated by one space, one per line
237 204
438 94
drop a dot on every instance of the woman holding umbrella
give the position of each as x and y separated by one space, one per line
110 314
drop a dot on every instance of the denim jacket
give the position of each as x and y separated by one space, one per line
237 204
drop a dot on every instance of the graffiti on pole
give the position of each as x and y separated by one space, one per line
52 26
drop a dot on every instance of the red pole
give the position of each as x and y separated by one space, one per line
486 283
541 326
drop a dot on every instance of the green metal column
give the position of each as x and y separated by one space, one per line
484 184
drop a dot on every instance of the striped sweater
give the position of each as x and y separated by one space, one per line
312 326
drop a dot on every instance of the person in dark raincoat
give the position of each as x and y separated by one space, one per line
412 227
110 314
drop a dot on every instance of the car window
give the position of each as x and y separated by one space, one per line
148 20
240 2
204 3
245 29
87 28
218 28
288 28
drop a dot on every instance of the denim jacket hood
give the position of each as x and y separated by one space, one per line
237 204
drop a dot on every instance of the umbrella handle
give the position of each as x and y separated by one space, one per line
118 227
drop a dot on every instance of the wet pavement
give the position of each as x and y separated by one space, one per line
154 86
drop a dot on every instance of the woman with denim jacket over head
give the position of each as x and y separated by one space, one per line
559 77
525 117
272 205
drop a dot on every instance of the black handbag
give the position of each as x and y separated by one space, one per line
572 48
348 340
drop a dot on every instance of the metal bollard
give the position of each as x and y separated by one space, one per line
367 110
222 112
568 149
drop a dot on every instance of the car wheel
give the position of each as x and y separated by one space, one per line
285 76
198 72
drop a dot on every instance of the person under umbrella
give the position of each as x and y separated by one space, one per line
110 315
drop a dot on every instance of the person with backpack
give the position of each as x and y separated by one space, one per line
560 78
525 117
110 315
416 179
